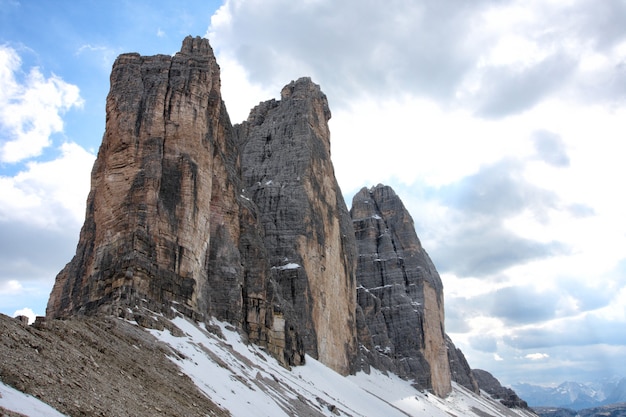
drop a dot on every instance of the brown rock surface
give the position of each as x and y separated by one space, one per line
98 367
166 226
148 225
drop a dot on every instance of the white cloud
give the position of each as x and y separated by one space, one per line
49 194
30 110
239 94
537 356
10 287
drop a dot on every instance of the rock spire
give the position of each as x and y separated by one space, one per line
288 174
400 294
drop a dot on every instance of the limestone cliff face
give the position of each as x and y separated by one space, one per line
399 293
166 226
288 174
147 231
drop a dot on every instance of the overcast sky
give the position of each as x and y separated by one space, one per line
501 124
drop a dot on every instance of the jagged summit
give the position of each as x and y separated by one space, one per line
196 46
188 214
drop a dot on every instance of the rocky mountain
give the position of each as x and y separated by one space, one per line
400 294
575 395
490 384
611 410
173 221
192 218
307 232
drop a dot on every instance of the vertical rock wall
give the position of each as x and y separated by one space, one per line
288 174
147 230
399 293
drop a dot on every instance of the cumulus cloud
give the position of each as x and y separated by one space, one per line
42 202
420 46
30 110
49 194
498 58
41 211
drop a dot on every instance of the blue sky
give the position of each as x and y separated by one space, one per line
499 123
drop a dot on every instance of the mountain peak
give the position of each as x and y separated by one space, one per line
246 224
196 46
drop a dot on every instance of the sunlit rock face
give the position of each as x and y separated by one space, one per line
289 175
147 232
399 293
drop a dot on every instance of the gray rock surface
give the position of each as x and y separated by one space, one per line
460 370
288 174
491 385
399 293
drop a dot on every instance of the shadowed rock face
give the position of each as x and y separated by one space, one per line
491 385
399 293
310 244
460 371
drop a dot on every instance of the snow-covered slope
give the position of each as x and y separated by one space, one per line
18 402
245 380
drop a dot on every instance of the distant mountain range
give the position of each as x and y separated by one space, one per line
574 395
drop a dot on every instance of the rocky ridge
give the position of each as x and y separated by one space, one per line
247 224
491 385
